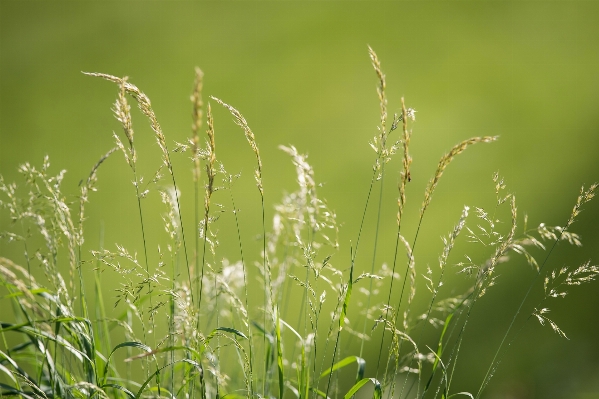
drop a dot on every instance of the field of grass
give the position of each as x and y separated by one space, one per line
277 306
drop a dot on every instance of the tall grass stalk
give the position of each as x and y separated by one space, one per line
211 173
405 178
382 139
197 115
248 323
383 156
146 108
249 135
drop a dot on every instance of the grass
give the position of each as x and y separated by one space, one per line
189 324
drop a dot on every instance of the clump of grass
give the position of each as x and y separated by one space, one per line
58 346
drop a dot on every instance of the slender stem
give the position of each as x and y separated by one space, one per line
455 349
100 309
143 235
197 240
352 260
355 251
205 232
488 374
401 293
410 259
388 304
245 286
267 289
182 229
217 365
376 236
172 327
333 362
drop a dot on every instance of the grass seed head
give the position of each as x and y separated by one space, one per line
444 162
249 135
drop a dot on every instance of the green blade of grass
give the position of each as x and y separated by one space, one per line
24 328
165 350
319 392
8 373
439 352
35 291
461 393
10 391
346 362
350 285
147 381
224 329
279 355
378 393
128 344
127 392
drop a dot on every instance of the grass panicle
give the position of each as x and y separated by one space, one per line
266 272
197 118
249 135
145 107
444 162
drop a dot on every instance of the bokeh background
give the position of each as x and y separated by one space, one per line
527 71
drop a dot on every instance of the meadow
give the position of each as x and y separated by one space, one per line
213 302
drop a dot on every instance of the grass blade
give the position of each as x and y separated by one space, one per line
128 344
279 354
127 392
378 393
346 362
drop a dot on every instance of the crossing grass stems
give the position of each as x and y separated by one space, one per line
218 342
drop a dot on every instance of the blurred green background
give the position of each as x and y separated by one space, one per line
527 71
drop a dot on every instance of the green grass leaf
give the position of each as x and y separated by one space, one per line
147 381
279 355
378 393
346 362
120 388
128 344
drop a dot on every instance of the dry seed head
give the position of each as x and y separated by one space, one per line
211 171
411 114
540 315
249 135
583 198
171 221
120 146
122 112
445 160
146 108
307 194
406 161
507 243
449 242
19 282
376 64
61 219
196 99
412 271
85 188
